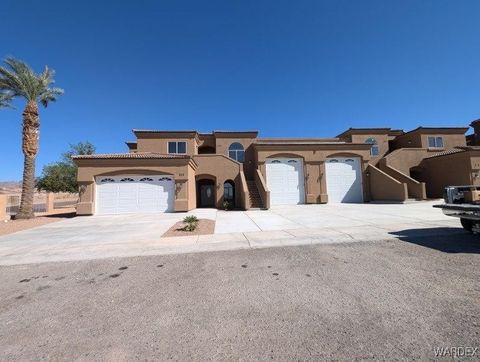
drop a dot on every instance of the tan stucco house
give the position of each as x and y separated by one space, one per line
167 171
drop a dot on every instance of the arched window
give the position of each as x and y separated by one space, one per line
229 192
237 152
374 151
107 180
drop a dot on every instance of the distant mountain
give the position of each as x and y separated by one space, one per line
10 187
10 183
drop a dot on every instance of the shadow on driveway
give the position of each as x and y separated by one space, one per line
444 239
65 215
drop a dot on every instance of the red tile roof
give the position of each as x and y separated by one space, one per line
446 152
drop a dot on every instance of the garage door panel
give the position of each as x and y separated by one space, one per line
344 180
285 181
134 194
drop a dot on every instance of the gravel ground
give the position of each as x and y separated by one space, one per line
394 300
13 226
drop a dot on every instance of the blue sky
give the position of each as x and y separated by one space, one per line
286 68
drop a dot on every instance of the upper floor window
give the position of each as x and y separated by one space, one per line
177 147
435 142
237 152
374 151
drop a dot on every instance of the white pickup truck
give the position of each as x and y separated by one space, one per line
463 202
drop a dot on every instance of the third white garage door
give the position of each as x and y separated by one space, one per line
344 179
285 181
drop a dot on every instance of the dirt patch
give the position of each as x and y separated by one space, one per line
12 226
205 227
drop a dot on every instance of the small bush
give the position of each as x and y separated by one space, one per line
191 223
227 205
190 219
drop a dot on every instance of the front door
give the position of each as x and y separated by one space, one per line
206 196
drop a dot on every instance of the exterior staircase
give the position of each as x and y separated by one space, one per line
255 199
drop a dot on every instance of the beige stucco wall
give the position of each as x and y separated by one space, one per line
449 140
161 145
450 170
182 171
192 189
3 208
405 158
408 140
222 144
419 139
221 168
383 187
206 140
382 141
314 157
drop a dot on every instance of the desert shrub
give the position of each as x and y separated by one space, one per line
191 223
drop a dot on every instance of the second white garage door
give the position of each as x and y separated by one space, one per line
134 194
285 181
344 179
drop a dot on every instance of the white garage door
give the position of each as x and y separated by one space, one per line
344 179
285 181
134 194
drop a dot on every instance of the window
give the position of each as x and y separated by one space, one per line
107 180
236 152
145 179
164 179
228 191
374 151
177 147
435 142
127 179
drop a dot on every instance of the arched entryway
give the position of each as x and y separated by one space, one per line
229 192
206 192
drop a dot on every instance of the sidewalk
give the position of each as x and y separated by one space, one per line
217 242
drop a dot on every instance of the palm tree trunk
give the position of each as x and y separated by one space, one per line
31 125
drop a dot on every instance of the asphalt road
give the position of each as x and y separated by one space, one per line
374 300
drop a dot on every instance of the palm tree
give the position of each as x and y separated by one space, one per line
18 80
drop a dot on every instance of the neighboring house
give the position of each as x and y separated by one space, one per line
166 171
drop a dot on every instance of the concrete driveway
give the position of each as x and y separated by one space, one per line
131 235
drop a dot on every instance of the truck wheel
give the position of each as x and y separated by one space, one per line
467 224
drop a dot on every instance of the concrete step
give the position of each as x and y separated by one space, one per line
255 198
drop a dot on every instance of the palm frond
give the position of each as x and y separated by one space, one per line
20 80
6 100
9 81
50 95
